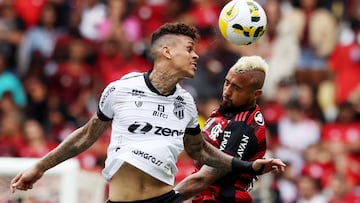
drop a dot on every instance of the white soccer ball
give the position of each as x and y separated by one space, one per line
242 22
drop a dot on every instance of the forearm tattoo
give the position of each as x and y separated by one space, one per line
215 158
77 142
205 153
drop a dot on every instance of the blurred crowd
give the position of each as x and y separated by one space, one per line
56 56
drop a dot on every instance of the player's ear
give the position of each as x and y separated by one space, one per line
166 52
257 93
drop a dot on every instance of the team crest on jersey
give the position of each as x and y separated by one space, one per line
138 103
259 119
179 107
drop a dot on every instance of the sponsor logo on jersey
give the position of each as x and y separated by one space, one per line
145 127
179 107
148 157
242 146
225 139
106 95
259 119
160 112
138 93
140 127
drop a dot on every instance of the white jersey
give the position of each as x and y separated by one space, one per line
147 128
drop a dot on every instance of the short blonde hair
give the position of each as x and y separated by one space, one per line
249 63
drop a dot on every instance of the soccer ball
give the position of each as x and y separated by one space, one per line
242 22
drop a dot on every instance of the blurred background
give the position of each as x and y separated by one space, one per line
56 56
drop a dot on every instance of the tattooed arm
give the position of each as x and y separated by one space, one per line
77 142
205 153
198 182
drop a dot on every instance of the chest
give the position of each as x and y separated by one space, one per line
141 113
234 137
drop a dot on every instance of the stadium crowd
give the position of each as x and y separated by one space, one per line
57 55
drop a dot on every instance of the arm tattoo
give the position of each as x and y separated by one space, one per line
205 153
77 142
198 182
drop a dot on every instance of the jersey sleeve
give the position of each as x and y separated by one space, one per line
193 128
105 110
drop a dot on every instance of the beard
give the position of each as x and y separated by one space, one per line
229 108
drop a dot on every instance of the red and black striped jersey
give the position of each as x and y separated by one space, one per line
241 135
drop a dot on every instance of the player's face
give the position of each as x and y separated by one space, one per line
237 92
184 56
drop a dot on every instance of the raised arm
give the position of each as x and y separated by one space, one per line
77 142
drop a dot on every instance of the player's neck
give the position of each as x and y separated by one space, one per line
163 81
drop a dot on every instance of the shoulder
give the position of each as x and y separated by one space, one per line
121 84
129 78
184 95
252 117
131 75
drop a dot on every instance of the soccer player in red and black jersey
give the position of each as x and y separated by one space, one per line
237 128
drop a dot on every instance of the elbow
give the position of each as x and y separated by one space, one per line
195 153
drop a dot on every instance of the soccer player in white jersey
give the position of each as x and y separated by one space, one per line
153 119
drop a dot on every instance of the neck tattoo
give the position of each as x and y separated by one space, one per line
163 82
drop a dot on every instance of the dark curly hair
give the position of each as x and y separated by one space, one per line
177 29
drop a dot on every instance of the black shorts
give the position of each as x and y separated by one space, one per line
170 197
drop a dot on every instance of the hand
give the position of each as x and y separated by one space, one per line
26 179
269 165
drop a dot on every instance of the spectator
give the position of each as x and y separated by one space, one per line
119 16
316 32
340 191
72 84
342 140
29 11
318 164
11 139
62 43
9 82
307 99
12 29
37 107
36 144
344 64
40 38
296 132
310 190
203 14
92 14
